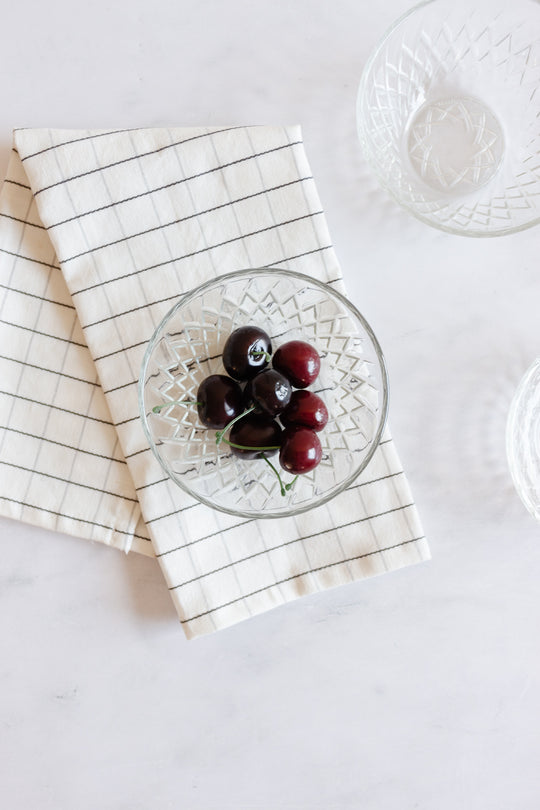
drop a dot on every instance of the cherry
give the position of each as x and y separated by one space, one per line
300 451
298 361
255 430
305 408
219 399
271 391
247 350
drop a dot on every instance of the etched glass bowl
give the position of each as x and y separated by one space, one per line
448 114
187 346
523 439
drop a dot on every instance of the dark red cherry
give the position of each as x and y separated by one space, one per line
305 408
300 451
255 430
298 361
219 399
246 352
270 391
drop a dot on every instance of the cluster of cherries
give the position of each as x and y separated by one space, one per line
266 409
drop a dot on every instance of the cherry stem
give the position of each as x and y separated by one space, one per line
220 434
261 353
158 408
284 487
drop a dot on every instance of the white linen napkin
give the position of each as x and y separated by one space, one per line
136 217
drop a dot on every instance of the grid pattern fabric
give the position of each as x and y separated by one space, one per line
61 464
135 218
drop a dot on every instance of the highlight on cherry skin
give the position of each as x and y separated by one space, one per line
298 361
247 351
305 409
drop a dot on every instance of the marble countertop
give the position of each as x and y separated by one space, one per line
416 690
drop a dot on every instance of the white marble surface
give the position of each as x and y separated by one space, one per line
413 691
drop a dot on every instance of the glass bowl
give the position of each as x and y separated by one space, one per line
187 346
523 439
448 114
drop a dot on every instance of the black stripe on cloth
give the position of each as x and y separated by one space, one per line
133 309
122 160
168 185
24 221
197 503
30 259
74 140
137 452
170 514
120 387
135 382
68 481
43 334
170 261
119 351
62 444
49 370
201 250
143 342
277 548
243 523
16 183
126 421
58 408
186 218
296 576
209 537
72 517
39 297
151 484
296 540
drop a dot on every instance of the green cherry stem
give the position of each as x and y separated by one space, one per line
158 408
220 434
261 353
284 487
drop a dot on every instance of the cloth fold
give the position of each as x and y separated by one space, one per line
100 233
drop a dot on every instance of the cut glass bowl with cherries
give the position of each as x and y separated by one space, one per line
263 393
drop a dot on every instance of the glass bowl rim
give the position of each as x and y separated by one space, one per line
185 298
361 129
519 424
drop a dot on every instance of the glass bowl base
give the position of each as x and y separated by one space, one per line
455 145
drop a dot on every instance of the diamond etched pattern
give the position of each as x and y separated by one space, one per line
472 60
188 347
455 144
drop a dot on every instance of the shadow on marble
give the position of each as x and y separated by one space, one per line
5 153
463 433
146 587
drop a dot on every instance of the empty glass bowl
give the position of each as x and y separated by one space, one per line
187 347
448 114
523 439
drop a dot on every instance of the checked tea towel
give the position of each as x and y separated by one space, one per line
100 233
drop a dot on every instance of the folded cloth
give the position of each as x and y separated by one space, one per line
100 233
